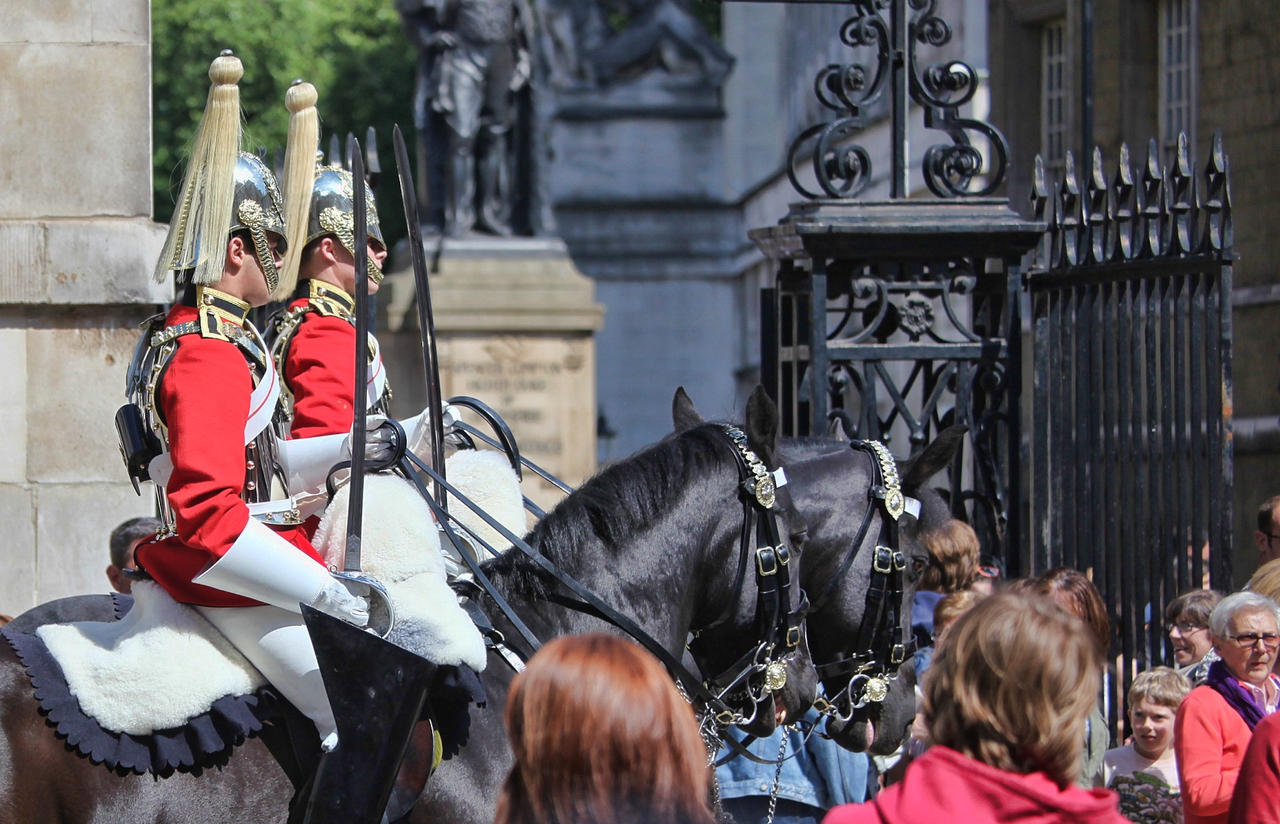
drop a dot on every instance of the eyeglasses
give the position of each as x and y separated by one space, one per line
1271 536
1183 627
1270 640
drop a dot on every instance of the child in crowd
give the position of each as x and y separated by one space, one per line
945 614
1145 771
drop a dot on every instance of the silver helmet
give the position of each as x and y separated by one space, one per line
259 209
332 213
224 191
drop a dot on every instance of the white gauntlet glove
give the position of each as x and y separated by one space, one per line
336 600
379 441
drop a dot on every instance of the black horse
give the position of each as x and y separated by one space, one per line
832 487
657 536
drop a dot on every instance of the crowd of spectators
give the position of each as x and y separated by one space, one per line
1010 725
1009 729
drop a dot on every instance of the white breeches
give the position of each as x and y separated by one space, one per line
277 643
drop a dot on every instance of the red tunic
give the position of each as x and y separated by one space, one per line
320 371
204 400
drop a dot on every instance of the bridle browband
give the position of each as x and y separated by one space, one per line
878 647
755 674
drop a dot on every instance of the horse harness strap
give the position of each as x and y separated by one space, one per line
878 645
777 624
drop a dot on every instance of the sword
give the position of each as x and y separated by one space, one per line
426 320
355 510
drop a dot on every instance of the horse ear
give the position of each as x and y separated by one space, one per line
762 425
683 415
934 457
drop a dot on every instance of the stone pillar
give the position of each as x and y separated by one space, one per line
76 249
515 325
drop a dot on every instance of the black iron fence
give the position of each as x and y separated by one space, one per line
1130 461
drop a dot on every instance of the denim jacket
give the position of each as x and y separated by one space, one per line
822 775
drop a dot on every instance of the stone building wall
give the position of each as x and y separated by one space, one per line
76 249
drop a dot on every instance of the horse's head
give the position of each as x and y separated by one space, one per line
861 569
753 586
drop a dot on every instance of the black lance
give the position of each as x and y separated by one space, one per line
426 319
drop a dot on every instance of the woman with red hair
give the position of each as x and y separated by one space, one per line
601 736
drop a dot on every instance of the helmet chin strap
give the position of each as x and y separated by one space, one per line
262 249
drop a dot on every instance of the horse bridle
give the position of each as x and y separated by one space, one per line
758 672
878 649
761 670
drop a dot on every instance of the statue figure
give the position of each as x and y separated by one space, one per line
473 61
662 34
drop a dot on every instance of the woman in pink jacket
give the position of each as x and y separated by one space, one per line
1216 721
1005 702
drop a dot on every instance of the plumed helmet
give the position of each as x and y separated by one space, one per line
259 209
297 178
224 191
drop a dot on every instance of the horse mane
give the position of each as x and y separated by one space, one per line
618 502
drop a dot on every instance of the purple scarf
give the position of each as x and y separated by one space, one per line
1240 699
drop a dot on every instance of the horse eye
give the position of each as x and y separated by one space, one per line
918 566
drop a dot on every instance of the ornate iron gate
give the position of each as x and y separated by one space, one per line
1130 464
899 317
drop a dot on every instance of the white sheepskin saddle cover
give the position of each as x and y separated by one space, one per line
154 669
400 547
488 480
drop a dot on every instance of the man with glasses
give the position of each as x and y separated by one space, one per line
1187 622
1216 721
1267 536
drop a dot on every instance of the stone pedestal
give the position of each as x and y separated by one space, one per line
77 245
515 325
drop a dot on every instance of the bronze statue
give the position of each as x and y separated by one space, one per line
473 62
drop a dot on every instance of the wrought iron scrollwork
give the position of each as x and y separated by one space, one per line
840 166
942 88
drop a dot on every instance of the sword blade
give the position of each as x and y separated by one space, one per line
426 319
355 509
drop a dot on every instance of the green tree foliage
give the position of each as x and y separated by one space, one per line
353 51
